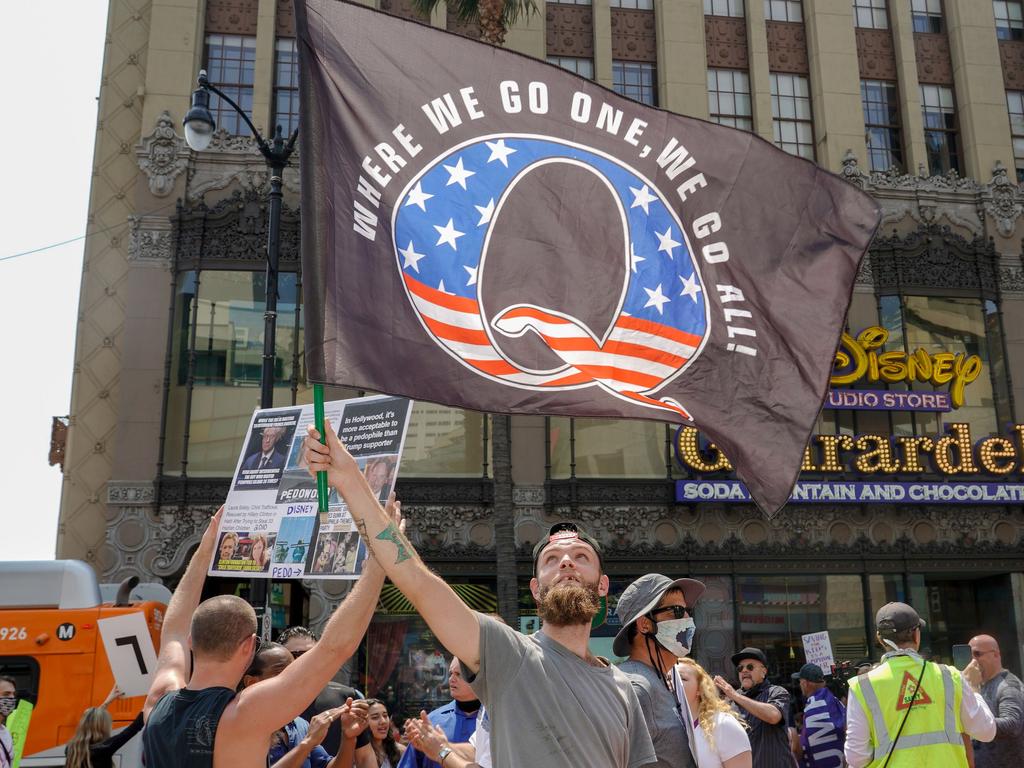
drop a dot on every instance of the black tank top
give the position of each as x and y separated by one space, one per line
182 727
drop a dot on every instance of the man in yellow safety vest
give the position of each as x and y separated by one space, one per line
908 712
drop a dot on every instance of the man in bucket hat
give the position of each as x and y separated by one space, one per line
763 706
907 711
657 629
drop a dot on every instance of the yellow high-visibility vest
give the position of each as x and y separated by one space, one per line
932 736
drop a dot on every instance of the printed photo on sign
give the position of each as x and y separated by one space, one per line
244 551
293 540
338 553
272 526
266 452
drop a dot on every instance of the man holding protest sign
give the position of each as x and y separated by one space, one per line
581 710
199 721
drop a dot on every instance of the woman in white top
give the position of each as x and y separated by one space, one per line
720 738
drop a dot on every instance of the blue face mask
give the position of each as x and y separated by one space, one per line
676 635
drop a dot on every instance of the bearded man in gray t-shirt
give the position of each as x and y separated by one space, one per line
551 702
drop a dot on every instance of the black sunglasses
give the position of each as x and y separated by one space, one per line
296 654
746 667
678 611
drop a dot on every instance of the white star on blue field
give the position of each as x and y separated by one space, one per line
444 216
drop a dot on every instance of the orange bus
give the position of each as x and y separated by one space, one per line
50 644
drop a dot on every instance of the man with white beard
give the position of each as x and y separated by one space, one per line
550 701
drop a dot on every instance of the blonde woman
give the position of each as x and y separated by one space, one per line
720 738
92 746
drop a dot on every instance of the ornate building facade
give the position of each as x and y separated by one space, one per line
918 102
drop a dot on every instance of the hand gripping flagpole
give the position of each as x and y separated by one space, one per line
318 417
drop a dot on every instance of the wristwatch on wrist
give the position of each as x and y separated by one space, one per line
443 753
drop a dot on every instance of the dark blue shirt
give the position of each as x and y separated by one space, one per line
296 731
457 726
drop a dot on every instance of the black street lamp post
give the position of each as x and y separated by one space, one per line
199 127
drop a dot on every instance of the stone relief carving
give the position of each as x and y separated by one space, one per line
1011 55
232 17
961 202
150 239
633 35
232 159
162 156
570 30
875 54
1002 201
934 64
726 40
787 47
131 494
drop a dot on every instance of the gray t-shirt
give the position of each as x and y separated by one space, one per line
1004 695
548 707
659 707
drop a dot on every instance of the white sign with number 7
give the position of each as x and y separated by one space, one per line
130 652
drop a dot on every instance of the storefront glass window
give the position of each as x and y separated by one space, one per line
607 448
774 611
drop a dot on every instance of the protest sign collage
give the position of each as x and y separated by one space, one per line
271 527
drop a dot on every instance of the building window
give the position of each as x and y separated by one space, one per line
783 10
927 15
791 115
723 8
286 87
639 5
1015 106
230 65
1009 19
940 132
635 80
882 124
570 2
870 14
729 98
582 67
605 448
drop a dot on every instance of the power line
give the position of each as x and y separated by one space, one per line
44 248
161 209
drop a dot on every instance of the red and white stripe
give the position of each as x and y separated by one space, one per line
637 357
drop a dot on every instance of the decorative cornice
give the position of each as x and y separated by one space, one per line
150 239
232 231
963 202
162 156
130 494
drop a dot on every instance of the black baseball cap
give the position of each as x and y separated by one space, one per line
811 673
897 617
750 653
566 531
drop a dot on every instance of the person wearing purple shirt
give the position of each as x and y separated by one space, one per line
824 729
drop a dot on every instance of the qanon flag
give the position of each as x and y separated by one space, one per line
485 230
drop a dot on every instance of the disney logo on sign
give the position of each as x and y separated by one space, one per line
857 359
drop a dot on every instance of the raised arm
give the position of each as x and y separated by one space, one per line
449 618
173 661
268 703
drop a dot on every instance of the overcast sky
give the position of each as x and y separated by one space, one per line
50 91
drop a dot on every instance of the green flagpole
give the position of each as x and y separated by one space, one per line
318 416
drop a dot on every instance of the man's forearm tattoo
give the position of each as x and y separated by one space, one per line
392 534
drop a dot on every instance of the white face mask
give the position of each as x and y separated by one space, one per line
676 635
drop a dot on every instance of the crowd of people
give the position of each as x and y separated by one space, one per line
543 700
